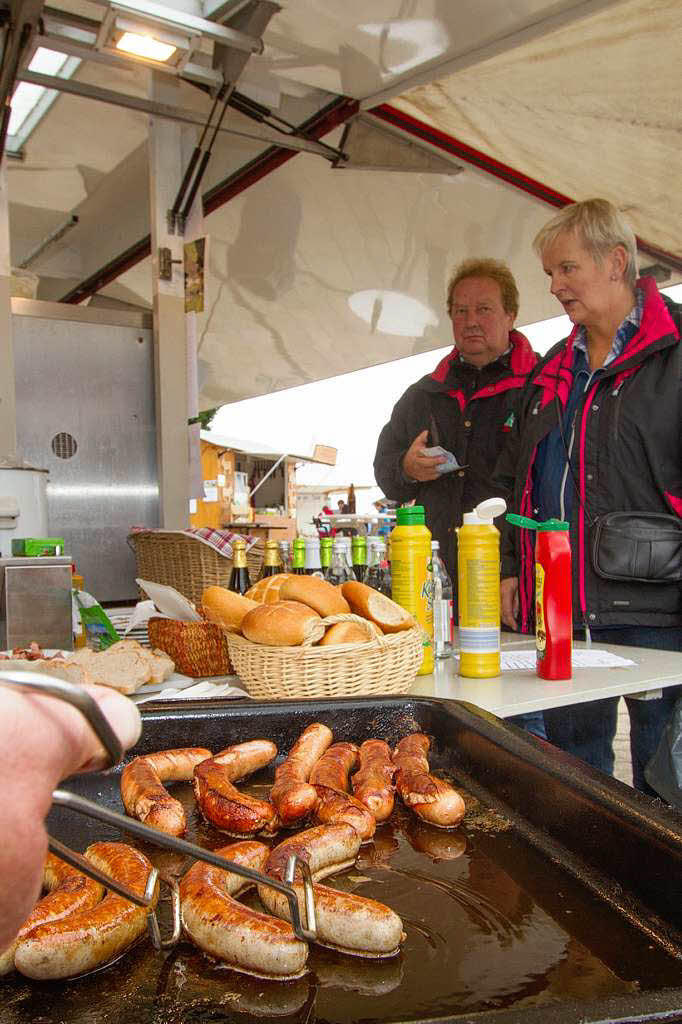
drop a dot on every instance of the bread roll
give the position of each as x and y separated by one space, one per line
225 608
376 607
266 591
347 633
280 624
323 597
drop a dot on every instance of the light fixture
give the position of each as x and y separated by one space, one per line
145 46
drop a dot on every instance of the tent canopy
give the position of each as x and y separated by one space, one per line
472 123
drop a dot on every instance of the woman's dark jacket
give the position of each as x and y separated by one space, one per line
626 456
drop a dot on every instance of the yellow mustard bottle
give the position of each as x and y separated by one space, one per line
478 590
411 575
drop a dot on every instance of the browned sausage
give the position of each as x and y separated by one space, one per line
428 796
88 938
144 795
334 768
68 891
292 795
333 807
247 940
219 800
373 782
345 922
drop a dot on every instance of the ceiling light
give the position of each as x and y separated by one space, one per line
145 46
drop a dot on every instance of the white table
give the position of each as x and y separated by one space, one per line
518 691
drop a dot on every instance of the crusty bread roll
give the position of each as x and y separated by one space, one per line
280 624
267 590
323 597
347 633
225 608
376 607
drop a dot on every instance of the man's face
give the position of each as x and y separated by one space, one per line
480 324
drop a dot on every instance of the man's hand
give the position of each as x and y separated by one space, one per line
418 466
42 741
509 601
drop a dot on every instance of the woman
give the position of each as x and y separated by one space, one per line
598 431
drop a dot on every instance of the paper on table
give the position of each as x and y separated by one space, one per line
591 658
205 688
169 601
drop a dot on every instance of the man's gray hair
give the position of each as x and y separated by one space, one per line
599 225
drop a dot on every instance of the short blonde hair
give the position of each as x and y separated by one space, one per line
497 271
600 227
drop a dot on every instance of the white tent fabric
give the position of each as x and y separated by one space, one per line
592 109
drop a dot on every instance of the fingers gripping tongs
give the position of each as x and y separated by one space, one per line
80 699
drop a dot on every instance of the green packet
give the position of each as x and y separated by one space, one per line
99 631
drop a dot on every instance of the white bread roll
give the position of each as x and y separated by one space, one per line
225 608
267 590
348 633
376 607
321 596
280 624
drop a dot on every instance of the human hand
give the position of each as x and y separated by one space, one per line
418 466
509 601
42 741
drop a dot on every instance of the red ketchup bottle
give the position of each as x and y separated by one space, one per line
553 596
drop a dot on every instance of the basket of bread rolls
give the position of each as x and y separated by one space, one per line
294 637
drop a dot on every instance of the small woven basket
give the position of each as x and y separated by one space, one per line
385 664
186 563
197 648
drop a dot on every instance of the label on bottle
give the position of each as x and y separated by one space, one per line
442 622
479 640
540 630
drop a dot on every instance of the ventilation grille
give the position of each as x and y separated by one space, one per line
64 445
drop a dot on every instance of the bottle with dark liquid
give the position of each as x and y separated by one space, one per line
325 553
378 573
339 571
239 580
272 562
359 555
298 560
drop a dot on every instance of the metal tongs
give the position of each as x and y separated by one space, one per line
80 699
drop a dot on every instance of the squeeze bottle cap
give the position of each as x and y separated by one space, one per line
410 515
531 524
485 512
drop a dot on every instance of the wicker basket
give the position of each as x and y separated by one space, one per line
197 648
385 664
187 563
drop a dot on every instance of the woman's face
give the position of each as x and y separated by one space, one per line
584 287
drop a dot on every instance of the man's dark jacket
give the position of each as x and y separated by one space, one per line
626 457
466 410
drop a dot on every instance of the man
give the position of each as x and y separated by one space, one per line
466 405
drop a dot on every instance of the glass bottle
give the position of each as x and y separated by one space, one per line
298 561
325 552
239 579
272 562
378 574
313 565
359 554
339 571
285 555
443 623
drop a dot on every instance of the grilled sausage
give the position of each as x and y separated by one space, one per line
333 807
68 891
345 922
144 795
373 782
429 797
292 795
334 768
221 803
248 941
88 938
